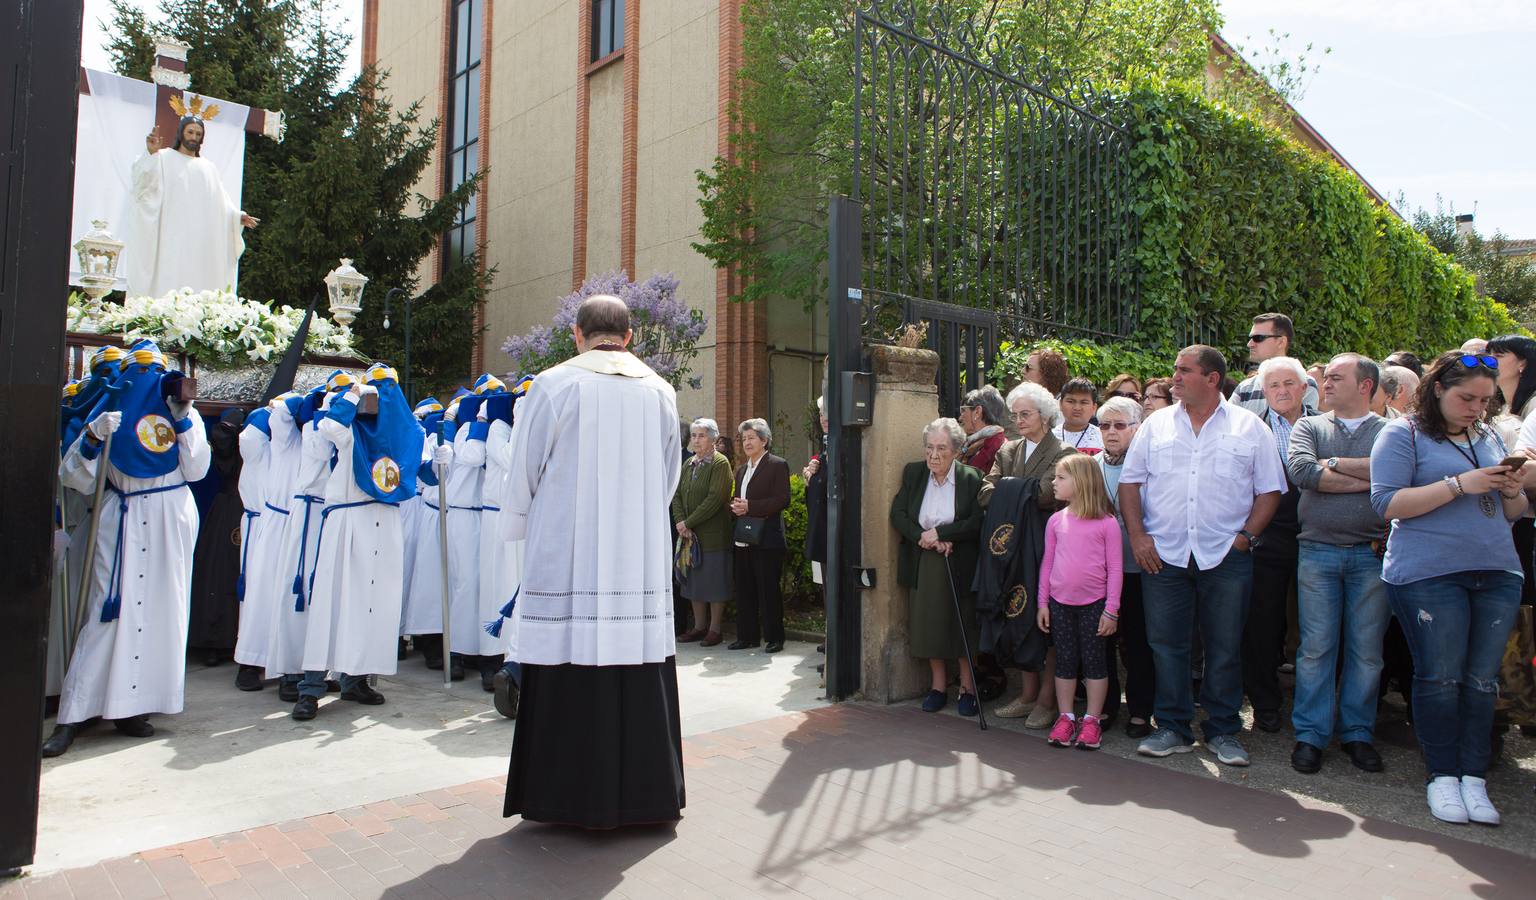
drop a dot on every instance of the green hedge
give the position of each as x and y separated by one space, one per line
1097 362
1236 220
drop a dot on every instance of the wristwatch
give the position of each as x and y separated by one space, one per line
1333 462
1253 540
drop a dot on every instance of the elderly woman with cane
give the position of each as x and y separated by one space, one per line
938 515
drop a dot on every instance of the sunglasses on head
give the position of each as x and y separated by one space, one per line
1131 394
1472 361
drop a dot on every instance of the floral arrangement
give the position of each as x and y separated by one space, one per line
667 330
215 327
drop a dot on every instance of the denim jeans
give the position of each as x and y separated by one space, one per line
313 684
1456 626
1217 598
1341 609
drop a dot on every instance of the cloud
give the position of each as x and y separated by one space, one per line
1412 17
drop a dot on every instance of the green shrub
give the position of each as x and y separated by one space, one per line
796 580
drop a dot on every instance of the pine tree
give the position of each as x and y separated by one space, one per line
343 181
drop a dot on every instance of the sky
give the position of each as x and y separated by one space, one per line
1423 97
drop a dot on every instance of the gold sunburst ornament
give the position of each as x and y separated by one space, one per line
197 108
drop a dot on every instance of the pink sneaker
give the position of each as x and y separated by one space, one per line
1062 732
1089 735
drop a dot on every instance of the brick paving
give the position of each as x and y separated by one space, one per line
846 801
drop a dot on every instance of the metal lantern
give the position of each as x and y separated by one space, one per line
98 253
345 286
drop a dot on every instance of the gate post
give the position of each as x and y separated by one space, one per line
844 451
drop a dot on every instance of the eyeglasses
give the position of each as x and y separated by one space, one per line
1130 394
1019 416
1260 338
1472 361
963 408
1115 426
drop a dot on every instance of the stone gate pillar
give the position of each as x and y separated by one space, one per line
906 400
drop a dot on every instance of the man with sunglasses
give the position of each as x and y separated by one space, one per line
1270 336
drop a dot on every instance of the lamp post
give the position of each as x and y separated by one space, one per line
98 253
344 285
405 370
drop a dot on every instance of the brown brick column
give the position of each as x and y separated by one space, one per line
583 116
627 177
370 32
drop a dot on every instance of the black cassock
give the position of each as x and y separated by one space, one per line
215 616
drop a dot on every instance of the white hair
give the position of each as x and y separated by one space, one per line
1125 406
821 405
707 425
758 425
1281 363
1040 399
951 429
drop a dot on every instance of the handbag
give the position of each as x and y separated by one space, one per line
749 530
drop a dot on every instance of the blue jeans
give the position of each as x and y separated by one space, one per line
313 684
1456 627
1341 607
1217 598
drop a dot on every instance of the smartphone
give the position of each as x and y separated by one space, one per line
1515 462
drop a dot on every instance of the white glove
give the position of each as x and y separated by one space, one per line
326 402
442 456
480 415
105 424
368 389
451 414
179 410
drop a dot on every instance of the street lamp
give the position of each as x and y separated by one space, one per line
345 286
98 253
405 370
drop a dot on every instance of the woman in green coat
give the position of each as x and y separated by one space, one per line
703 513
938 515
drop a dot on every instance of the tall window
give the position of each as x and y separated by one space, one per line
463 123
607 27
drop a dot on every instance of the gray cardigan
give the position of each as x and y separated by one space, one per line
1328 518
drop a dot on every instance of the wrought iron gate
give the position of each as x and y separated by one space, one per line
991 200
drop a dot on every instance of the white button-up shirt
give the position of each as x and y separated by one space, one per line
1200 489
938 501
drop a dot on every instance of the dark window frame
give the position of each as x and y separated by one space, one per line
607 29
462 128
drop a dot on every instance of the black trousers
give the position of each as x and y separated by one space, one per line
1134 651
1274 573
759 600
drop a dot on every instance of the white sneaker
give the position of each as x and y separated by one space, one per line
1474 796
1445 801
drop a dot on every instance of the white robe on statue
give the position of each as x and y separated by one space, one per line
354 611
257 534
136 663
183 230
597 571
298 539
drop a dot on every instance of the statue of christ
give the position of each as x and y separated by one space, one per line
183 231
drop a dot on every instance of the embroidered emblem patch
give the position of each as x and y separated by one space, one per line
1018 598
1001 540
155 433
386 475
234 536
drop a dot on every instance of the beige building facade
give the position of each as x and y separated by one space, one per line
589 120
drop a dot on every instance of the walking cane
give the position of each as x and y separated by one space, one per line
87 571
970 658
442 546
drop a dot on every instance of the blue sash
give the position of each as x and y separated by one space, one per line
112 606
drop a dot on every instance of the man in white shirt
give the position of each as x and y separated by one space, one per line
1213 480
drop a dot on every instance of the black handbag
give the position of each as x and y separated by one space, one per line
749 530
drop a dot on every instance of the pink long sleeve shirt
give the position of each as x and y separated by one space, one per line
1082 561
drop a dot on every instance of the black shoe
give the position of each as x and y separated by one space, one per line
1137 730
402 649
288 691
59 741
741 645
249 678
456 668
773 647
363 694
1306 758
488 680
305 709
1363 755
212 658
332 686
507 694
821 648
821 669
434 663
1267 720
134 726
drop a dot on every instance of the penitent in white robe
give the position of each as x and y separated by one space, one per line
257 534
412 512
184 231
422 611
597 567
297 538
466 615
501 560
136 663
354 610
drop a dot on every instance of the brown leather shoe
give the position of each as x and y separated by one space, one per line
689 637
710 639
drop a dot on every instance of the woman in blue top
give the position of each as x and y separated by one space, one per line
1452 573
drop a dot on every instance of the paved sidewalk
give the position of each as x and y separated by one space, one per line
846 801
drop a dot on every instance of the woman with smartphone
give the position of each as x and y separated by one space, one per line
1453 576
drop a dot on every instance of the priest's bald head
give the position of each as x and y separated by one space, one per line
601 319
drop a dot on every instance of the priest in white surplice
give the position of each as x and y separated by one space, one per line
595 461
183 230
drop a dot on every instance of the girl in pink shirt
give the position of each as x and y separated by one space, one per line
1080 595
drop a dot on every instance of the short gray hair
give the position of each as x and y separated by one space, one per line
951 429
1395 378
758 425
1277 363
1040 399
707 425
1125 406
989 400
